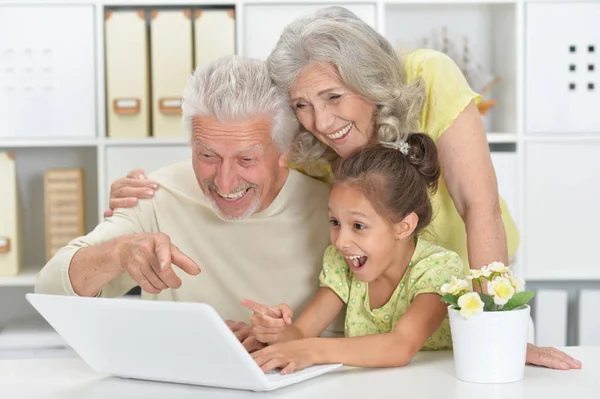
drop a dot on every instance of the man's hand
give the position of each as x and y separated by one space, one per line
269 322
242 333
148 259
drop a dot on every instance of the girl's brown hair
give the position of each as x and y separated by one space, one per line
397 184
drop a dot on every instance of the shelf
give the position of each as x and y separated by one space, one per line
568 137
47 142
24 279
152 3
502 138
451 2
323 3
153 141
146 141
580 276
30 334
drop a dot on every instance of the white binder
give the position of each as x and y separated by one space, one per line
214 34
10 239
172 65
127 74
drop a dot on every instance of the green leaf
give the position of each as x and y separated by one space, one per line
488 301
519 299
451 299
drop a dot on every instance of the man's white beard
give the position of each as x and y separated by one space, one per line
254 207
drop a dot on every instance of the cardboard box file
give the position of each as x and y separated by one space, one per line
127 75
172 65
10 237
214 34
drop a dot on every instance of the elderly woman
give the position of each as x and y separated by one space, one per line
348 87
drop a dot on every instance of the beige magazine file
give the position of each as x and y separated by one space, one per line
10 223
64 203
172 65
127 80
214 34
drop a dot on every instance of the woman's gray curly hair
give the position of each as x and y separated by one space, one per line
366 63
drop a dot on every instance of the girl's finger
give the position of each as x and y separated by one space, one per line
290 368
274 363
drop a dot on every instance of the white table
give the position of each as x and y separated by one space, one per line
430 375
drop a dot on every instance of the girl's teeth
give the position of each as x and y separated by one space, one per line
355 262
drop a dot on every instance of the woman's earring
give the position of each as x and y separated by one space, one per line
397 238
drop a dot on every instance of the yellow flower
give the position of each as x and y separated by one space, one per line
455 286
470 305
501 289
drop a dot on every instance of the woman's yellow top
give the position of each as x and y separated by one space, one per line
447 95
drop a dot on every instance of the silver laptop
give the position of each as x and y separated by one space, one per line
160 341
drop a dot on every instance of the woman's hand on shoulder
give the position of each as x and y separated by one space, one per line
126 191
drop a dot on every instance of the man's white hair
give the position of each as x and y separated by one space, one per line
234 89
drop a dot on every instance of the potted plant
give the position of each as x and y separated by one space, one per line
489 331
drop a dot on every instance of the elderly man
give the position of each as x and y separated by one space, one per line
233 223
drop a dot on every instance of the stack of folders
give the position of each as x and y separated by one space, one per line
146 74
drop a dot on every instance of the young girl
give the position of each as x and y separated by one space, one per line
389 278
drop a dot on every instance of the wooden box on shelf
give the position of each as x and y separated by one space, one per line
64 206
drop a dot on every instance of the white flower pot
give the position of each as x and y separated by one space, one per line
490 347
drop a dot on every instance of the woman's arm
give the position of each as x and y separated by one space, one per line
467 167
469 173
397 348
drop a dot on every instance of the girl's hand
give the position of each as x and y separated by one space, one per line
126 191
288 356
551 358
269 322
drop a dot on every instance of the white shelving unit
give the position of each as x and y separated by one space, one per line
24 279
498 36
253 40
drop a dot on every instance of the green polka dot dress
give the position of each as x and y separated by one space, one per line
431 266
